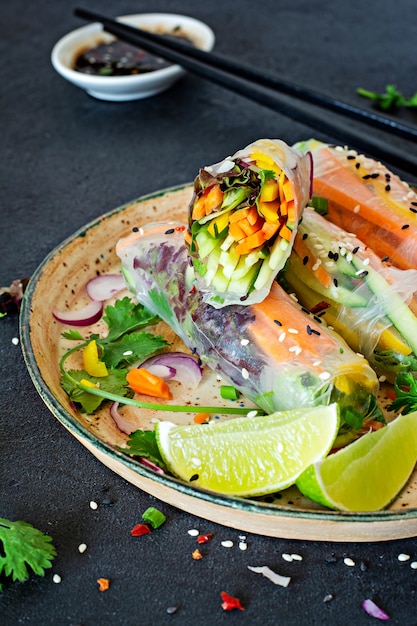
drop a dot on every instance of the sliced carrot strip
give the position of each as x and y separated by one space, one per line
310 260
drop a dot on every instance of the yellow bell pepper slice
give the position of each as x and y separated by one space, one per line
92 363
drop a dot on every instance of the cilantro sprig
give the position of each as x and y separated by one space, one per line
405 387
392 98
23 547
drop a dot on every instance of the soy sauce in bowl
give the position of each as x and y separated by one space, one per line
118 58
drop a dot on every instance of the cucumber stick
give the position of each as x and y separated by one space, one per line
397 311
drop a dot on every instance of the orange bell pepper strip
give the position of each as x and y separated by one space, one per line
143 381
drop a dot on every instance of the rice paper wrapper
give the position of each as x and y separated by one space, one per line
372 304
272 352
243 218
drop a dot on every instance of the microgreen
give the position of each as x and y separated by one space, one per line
24 546
405 388
390 99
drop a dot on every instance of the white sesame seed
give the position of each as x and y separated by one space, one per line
243 545
365 261
324 376
413 565
382 378
294 331
349 562
281 337
349 257
56 578
297 557
316 265
244 342
296 349
242 537
343 251
82 548
15 341
287 557
193 532
403 557
93 505
294 297
227 544
128 353
245 373
357 208
253 413
316 363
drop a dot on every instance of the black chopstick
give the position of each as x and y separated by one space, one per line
265 89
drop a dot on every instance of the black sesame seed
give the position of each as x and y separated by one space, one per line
413 210
336 256
375 175
309 330
330 254
385 259
357 165
366 176
305 310
405 226
305 260
318 320
305 235
355 249
170 231
135 229
363 273
335 283
414 203
351 157
194 477
277 322
387 187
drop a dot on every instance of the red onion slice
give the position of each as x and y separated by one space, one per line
121 422
105 286
83 317
187 370
163 371
373 610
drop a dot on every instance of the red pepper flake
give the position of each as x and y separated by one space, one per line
139 530
391 395
103 584
229 602
179 229
321 306
204 538
197 555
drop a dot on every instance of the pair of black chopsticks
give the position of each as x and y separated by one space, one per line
268 90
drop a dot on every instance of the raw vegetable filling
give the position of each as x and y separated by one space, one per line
242 221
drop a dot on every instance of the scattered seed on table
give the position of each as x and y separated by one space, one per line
56 578
403 557
287 557
243 545
328 597
15 341
93 505
227 544
193 532
349 562
413 565
82 547
172 609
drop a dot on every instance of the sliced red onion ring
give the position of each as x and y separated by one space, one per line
105 286
147 463
187 370
83 317
163 371
121 422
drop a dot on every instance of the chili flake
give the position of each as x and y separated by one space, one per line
139 530
229 602
103 584
204 538
197 555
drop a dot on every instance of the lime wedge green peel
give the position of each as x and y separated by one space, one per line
249 456
369 473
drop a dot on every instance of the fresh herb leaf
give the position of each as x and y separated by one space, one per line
72 335
405 387
24 546
125 316
131 348
390 99
114 383
143 443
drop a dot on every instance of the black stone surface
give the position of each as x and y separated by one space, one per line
65 159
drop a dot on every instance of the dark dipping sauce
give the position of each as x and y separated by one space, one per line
118 58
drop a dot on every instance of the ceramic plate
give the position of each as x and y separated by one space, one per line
60 281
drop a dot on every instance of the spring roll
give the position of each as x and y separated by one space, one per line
365 198
243 218
273 352
370 303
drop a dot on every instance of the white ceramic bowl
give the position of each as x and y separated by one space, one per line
130 87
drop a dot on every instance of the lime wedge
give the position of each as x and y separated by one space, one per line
368 473
249 456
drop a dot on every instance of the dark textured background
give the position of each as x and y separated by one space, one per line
67 158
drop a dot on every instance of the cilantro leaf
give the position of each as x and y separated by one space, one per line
72 335
24 546
143 443
115 383
124 317
391 98
405 387
131 348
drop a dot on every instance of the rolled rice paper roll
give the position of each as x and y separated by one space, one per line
273 352
243 219
370 303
